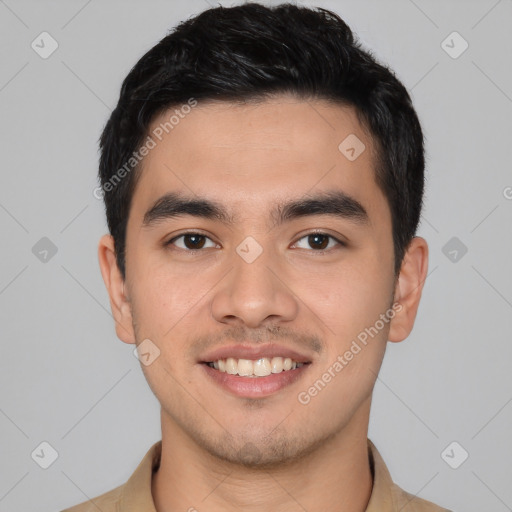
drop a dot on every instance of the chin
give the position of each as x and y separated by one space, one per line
276 451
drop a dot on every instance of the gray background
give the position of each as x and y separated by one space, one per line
64 376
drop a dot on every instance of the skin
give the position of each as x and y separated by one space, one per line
220 451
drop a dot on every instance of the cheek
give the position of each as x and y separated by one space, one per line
173 305
349 299
163 298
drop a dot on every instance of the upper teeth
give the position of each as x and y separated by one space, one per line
259 368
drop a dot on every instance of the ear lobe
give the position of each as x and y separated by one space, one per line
119 303
408 289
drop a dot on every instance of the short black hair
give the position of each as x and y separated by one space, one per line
254 52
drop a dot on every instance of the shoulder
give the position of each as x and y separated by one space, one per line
107 502
387 495
406 502
134 494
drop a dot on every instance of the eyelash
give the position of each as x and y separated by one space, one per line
172 240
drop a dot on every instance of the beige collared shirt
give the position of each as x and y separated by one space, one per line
135 494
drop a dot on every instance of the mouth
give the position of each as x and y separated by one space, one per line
254 372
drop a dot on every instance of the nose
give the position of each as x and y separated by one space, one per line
254 294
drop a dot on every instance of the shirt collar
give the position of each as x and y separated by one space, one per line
381 498
137 495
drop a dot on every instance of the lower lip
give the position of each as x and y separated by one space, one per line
254 387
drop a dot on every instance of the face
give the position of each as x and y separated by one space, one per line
272 245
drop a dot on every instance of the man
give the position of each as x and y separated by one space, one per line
263 182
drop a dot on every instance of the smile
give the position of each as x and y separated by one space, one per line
258 378
255 368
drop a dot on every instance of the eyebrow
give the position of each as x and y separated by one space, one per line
335 203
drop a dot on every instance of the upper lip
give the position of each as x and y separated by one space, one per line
253 352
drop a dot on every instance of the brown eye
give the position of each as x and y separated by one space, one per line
191 241
318 242
194 241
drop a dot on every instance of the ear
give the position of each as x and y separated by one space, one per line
408 288
119 303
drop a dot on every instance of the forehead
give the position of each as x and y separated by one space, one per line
257 153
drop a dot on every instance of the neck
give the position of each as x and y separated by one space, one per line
337 472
